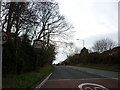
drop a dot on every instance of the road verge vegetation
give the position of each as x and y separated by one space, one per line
107 60
27 79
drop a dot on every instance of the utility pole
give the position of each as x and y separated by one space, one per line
0 63
83 42
0 51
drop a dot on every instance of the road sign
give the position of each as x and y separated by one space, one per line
3 38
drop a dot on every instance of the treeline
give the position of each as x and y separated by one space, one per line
109 57
25 22
23 57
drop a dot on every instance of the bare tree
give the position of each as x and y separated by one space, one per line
18 17
41 20
70 49
103 45
77 50
51 22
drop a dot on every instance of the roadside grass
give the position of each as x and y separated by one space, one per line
100 67
25 80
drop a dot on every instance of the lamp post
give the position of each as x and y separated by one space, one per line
83 42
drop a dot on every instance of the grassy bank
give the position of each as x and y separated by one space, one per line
25 80
101 67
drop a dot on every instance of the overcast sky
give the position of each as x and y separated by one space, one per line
92 20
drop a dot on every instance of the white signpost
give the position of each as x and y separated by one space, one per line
0 64
38 44
0 51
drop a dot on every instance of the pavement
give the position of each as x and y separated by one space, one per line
79 78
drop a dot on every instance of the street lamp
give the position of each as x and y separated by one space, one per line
83 42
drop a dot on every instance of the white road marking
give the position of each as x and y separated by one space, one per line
44 81
82 79
115 78
84 86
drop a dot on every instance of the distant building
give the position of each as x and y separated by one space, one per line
113 51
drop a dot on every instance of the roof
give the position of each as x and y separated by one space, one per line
114 51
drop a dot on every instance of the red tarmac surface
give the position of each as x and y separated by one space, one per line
111 84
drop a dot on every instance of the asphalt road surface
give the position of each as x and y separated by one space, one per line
69 77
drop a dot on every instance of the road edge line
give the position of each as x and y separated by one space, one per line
44 81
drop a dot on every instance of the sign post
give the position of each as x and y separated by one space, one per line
0 50
0 63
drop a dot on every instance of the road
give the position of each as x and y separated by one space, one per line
78 77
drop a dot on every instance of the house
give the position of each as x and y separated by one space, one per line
113 51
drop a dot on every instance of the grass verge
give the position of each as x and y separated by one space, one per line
101 67
25 80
